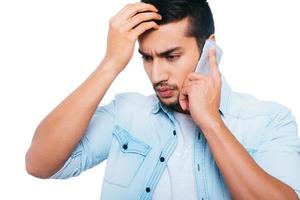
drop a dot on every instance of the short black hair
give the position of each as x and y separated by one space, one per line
201 22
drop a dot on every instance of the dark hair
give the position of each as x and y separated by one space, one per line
201 20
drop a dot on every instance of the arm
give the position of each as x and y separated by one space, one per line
244 177
58 134
233 161
62 129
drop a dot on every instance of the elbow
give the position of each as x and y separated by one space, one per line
35 168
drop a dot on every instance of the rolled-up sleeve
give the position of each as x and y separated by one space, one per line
94 146
279 151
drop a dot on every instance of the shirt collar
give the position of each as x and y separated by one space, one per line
225 92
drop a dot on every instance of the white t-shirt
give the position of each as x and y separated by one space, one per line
178 180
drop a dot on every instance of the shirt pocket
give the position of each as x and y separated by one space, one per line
126 156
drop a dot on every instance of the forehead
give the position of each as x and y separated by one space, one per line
168 35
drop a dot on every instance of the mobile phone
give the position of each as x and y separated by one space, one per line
203 63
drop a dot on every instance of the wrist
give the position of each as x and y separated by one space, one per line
209 122
109 66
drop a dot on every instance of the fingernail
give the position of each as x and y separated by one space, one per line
183 106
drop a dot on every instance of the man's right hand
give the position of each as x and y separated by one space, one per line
59 132
124 29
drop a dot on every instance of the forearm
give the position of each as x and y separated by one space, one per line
244 178
60 131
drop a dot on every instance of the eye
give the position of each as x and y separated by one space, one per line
172 57
146 58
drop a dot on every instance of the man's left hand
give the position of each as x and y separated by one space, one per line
200 94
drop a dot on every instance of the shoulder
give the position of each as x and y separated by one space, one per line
135 99
128 101
255 121
246 106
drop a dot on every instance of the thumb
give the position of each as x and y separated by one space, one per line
183 100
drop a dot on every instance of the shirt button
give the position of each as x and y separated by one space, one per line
198 167
162 159
174 132
125 146
147 189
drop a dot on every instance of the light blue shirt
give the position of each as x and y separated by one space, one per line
137 136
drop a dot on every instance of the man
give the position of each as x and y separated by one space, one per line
194 139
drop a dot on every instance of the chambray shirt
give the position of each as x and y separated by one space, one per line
137 136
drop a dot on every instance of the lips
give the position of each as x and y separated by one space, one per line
163 89
165 92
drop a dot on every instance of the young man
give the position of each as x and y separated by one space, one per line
194 138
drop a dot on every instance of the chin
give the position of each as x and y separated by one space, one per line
170 102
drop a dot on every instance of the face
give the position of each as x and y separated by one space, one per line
168 57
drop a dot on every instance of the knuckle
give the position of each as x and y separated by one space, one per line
190 75
146 24
139 17
150 14
121 29
202 81
129 5
110 20
112 23
201 77
193 86
136 3
143 16
152 23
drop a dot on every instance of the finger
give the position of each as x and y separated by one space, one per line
183 98
139 18
191 83
195 76
186 83
214 69
212 62
183 101
144 26
132 9
191 79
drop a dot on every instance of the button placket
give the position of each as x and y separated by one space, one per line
199 158
162 158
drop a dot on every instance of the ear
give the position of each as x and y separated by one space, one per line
212 37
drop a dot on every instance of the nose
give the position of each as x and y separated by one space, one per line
158 71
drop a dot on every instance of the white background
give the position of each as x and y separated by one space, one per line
48 48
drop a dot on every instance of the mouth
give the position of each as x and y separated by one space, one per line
165 93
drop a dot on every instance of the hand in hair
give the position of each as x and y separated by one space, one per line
124 29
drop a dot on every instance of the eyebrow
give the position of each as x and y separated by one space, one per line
164 53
